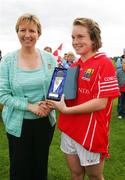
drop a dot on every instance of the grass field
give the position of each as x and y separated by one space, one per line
114 167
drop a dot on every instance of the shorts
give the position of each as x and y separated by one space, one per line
69 146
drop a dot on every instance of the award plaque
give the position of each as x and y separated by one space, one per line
64 81
57 84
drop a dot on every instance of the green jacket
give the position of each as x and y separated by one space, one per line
12 97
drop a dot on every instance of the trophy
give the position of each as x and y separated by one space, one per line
57 84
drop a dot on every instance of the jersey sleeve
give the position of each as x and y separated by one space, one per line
107 84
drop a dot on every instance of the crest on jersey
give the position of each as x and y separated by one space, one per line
87 74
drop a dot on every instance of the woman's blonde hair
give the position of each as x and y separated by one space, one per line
93 30
28 18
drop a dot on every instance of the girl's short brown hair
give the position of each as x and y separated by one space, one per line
93 30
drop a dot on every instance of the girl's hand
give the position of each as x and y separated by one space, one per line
60 105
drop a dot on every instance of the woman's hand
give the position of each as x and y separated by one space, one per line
40 109
46 108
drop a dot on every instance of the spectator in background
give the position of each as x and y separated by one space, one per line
118 63
68 61
119 69
65 57
121 81
119 59
25 76
48 49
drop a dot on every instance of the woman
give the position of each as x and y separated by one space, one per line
84 121
25 76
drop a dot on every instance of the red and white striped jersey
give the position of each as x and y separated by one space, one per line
97 79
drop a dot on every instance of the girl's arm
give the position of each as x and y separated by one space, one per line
87 107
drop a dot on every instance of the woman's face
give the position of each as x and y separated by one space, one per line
28 34
81 41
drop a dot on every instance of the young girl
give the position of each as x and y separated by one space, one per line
85 121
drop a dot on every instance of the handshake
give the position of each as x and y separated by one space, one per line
41 108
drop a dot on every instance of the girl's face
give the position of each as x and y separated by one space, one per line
81 41
28 34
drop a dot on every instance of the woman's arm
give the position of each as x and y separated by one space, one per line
6 93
